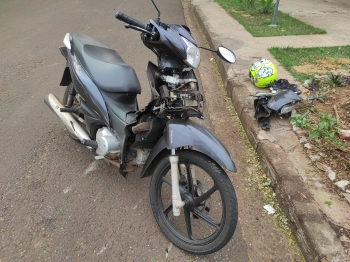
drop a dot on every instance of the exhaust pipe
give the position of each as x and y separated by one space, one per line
68 120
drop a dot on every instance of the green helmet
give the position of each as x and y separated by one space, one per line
262 73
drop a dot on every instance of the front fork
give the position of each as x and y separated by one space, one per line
175 177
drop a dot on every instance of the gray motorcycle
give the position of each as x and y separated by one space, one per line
192 198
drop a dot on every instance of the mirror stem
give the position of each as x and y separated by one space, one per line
207 49
158 18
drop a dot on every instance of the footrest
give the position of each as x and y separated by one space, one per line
90 143
68 110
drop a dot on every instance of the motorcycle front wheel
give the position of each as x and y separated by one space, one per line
209 217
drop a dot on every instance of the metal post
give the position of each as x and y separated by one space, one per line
275 14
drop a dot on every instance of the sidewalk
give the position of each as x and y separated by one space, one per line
298 186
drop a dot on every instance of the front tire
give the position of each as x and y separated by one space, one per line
202 228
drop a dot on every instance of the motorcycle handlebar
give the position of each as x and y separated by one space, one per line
129 20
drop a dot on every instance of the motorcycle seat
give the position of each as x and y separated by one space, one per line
105 66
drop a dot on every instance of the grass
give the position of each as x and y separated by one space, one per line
258 24
290 57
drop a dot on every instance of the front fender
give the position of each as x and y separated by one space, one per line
179 133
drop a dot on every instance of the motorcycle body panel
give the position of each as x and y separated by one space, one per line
87 89
153 76
170 49
122 108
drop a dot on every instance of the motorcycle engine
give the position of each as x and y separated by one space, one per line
108 144
184 98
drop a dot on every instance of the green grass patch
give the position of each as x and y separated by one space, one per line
290 57
258 23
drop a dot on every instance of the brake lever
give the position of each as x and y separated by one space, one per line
127 26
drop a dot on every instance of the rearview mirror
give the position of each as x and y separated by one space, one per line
226 54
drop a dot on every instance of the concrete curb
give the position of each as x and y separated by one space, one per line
314 235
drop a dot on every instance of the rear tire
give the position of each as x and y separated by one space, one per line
202 228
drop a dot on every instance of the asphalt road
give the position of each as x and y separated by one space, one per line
56 202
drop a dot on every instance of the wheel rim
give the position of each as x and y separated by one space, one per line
203 216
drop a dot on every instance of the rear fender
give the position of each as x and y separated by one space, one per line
66 78
179 133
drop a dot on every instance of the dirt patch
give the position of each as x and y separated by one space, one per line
334 155
321 67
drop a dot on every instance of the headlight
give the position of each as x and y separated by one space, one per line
193 55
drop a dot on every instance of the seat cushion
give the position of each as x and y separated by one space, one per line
104 66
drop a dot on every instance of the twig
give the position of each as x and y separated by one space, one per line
336 113
302 195
344 159
345 104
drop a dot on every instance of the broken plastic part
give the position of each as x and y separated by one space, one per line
270 210
281 99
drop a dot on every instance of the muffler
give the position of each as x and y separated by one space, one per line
68 120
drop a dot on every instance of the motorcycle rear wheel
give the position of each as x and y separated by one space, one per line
202 228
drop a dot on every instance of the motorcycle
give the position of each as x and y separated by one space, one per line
191 195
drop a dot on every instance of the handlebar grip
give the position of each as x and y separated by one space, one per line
129 20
